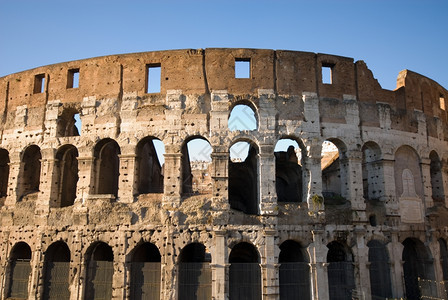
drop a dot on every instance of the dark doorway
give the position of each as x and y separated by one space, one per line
57 272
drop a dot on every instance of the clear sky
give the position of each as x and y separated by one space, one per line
389 35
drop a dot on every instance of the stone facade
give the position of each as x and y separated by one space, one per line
98 200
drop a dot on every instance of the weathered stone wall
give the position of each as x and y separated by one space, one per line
197 93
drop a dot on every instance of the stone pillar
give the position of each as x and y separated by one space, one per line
35 287
15 187
77 268
219 113
319 275
46 186
119 277
219 257
362 275
126 182
220 178
266 181
395 249
172 178
425 165
389 198
51 118
444 171
85 172
269 267
312 165
355 185
434 247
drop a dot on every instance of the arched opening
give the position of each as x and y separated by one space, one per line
4 172
30 172
100 270
341 280
145 272
380 282
195 274
196 163
67 175
418 265
294 275
19 271
69 123
242 117
150 165
244 272
334 172
107 165
444 258
438 193
372 171
57 271
288 171
243 177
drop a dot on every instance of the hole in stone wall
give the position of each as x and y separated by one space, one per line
69 123
196 163
150 167
153 73
67 170
327 73
242 117
242 68
73 78
30 171
107 166
4 172
39 83
331 174
442 102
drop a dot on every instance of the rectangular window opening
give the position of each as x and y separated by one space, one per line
327 73
39 83
73 79
153 74
242 67
442 102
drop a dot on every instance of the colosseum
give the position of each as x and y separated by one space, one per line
118 179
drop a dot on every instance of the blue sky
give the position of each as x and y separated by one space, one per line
388 35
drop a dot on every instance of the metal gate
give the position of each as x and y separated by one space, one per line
295 281
341 280
57 280
20 275
245 281
99 280
145 280
195 281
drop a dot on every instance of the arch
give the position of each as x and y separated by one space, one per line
66 175
30 170
4 172
244 272
57 271
288 171
435 167
145 272
100 270
67 121
107 165
149 167
334 171
341 279
196 163
243 182
380 280
19 271
243 116
372 171
417 264
294 272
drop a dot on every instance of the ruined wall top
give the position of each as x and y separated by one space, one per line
205 70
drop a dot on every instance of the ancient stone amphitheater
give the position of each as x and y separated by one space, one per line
102 197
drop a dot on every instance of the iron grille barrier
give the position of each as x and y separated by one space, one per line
429 289
99 280
145 280
57 280
195 281
341 280
20 275
295 281
245 281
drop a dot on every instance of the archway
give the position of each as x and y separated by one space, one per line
380 281
67 175
57 271
19 271
341 280
149 165
100 271
196 164
145 272
107 167
30 172
4 172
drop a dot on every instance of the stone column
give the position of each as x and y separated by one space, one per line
269 267
434 247
390 197
35 285
172 178
126 181
119 277
85 172
312 164
220 178
266 181
219 258
15 187
77 268
355 186
319 275
427 186
395 249
361 252
46 187
444 171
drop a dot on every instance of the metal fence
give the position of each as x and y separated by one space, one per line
195 281
295 281
20 275
341 281
145 280
57 280
429 289
245 281
99 280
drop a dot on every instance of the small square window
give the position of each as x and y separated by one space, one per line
73 79
442 102
153 74
327 73
242 68
39 84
